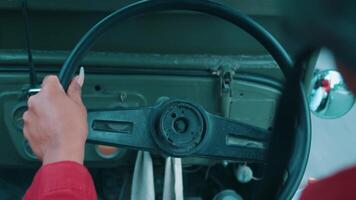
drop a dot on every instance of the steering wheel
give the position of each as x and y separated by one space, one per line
179 128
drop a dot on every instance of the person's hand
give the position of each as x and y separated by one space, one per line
55 123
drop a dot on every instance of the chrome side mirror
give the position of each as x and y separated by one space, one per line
329 97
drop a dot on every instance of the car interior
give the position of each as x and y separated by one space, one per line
211 82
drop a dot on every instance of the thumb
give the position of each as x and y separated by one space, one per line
75 90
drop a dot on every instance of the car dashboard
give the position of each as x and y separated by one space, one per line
134 87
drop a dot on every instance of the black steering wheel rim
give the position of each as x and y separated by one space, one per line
302 143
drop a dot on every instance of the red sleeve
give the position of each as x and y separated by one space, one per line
62 181
339 186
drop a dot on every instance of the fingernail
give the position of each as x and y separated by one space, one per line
81 76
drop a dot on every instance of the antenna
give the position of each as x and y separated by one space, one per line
32 71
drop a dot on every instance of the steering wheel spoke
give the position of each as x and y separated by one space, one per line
125 127
234 140
178 128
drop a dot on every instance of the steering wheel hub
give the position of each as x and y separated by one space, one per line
181 128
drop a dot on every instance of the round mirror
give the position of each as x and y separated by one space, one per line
329 96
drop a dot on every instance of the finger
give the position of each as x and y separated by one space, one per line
26 131
46 80
51 84
31 102
81 76
29 133
34 103
26 116
75 91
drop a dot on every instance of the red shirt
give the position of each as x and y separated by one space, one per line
62 181
70 180
341 186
